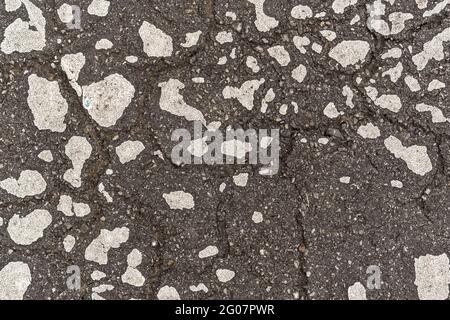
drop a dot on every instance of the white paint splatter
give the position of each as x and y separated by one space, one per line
432 277
350 52
244 94
129 150
263 22
71 208
416 157
30 183
156 42
48 106
225 275
78 150
97 250
28 229
107 99
15 279
179 200
209 251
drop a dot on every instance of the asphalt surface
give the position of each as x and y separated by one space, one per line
359 208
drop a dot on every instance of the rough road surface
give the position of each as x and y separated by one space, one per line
93 206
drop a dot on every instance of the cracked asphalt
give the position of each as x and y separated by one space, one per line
93 204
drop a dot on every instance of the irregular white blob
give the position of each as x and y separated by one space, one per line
1 221
168 293
372 92
225 275
199 287
435 85
100 289
394 53
369 131
25 36
132 276
179 200
224 37
422 4
15 278
172 101
323 141
396 184
72 65
69 243
156 42
269 97
300 43
437 9
46 155
12 5
398 20
345 180
328 34
97 275
241 179
107 99
28 229
432 49
101 189
331 111
48 106
191 39
209 251
235 148
348 93
103 44
231 15
252 63
131 59
70 208
78 150
416 157
355 20
412 83
244 94
301 12
198 147
391 102
432 277
299 73
222 61
283 109
316 47
436 114
99 8
357 292
257 217
65 13
30 183
280 54
129 150
263 22
339 6
350 52
97 250
222 186
394 73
